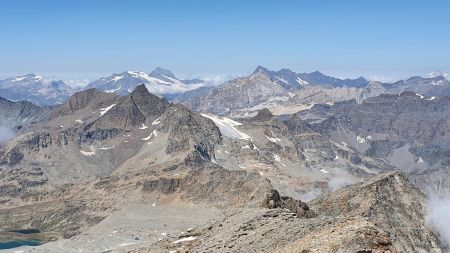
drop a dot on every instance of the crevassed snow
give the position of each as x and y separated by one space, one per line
106 109
143 127
324 171
87 153
227 127
154 133
273 139
186 239
114 90
156 121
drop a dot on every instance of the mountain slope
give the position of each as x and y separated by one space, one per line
409 130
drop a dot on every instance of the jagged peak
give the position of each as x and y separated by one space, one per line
263 114
140 89
261 69
161 72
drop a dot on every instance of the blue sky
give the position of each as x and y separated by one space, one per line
88 39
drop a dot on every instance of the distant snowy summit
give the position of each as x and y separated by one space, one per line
437 74
160 81
35 88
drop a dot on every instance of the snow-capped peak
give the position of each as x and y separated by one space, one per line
160 81
28 78
438 74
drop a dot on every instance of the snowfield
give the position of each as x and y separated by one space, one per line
227 127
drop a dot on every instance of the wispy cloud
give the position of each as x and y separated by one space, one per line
5 134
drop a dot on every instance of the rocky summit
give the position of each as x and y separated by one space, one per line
137 173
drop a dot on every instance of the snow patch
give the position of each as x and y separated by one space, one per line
420 160
87 153
117 78
278 159
360 139
301 81
126 244
154 133
113 90
106 109
143 127
324 171
18 79
186 239
156 121
106 148
79 121
421 96
432 98
273 139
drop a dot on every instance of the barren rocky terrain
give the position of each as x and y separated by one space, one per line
105 173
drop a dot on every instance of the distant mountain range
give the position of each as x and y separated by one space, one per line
285 91
241 96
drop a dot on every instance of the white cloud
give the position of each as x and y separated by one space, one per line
78 83
438 217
